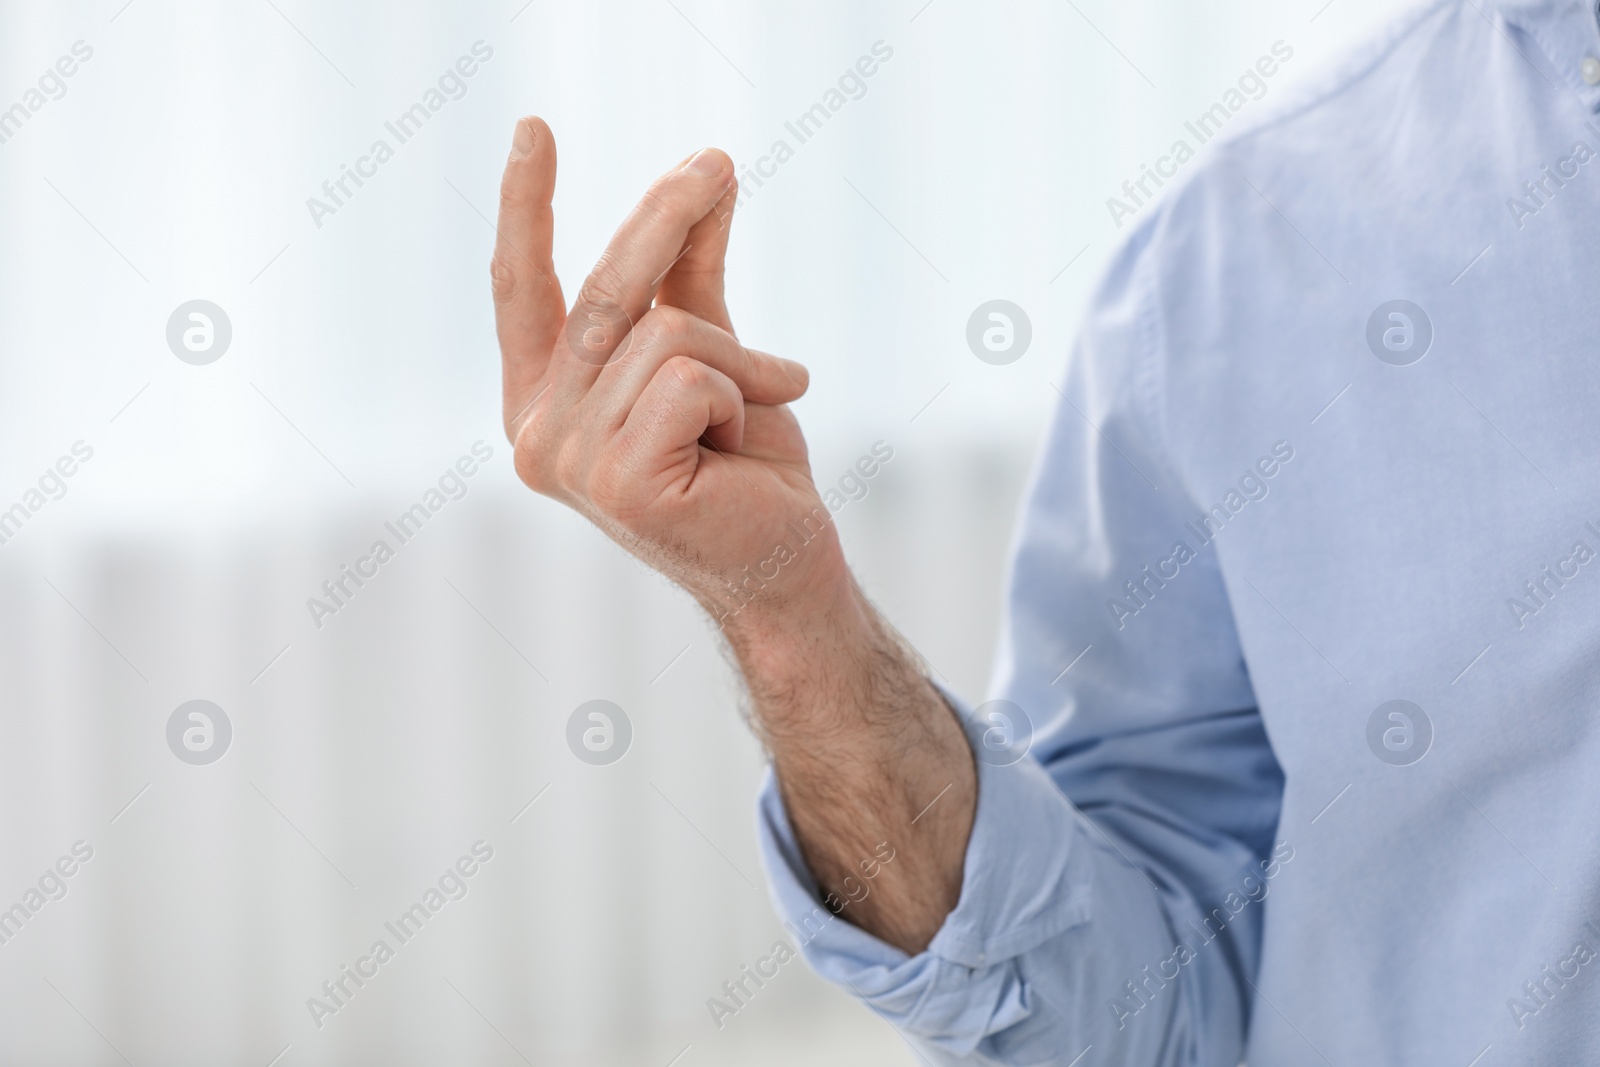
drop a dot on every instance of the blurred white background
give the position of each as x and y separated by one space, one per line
370 753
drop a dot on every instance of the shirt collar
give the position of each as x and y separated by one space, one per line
1567 31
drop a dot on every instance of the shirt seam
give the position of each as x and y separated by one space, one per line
1398 35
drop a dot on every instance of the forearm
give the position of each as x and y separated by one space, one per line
868 757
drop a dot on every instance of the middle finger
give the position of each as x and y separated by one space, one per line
623 283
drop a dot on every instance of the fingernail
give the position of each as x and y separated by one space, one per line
522 141
707 163
796 371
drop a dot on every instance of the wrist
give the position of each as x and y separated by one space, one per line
785 637
800 584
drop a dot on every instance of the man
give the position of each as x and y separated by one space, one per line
1304 609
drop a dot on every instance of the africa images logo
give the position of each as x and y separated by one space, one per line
599 732
199 732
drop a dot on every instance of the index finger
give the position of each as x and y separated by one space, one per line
624 282
528 308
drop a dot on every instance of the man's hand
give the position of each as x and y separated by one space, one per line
641 410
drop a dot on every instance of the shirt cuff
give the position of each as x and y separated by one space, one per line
1026 879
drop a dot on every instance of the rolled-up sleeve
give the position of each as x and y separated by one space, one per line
1110 909
1022 889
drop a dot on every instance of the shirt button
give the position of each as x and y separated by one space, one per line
1590 69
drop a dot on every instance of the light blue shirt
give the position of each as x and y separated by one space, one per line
1305 605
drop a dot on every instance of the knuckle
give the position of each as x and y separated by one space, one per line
604 288
534 448
660 204
568 469
751 365
663 329
684 374
674 321
530 466
516 191
502 276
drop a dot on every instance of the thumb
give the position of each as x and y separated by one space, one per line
694 282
